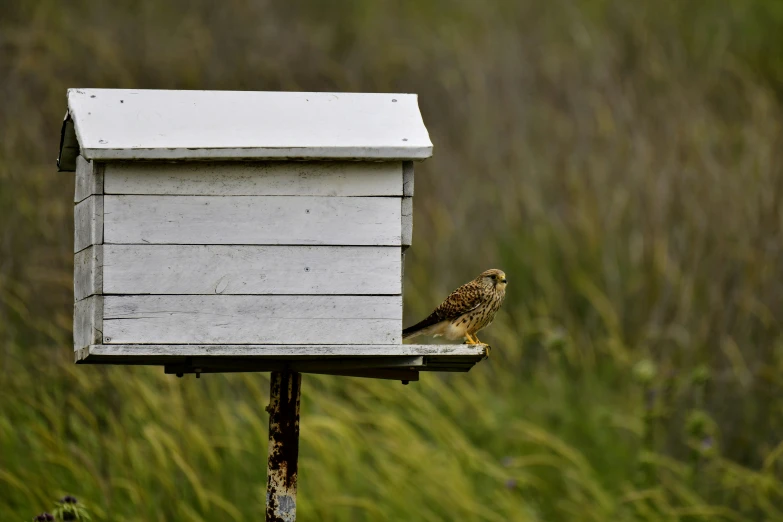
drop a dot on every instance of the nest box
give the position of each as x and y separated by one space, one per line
245 231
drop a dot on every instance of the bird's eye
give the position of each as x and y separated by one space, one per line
493 276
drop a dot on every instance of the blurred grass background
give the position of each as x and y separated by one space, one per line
621 161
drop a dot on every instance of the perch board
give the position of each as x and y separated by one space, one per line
351 360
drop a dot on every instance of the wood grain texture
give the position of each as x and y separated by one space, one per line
238 269
407 178
89 179
407 221
402 271
88 272
88 322
286 351
88 223
235 319
271 178
267 365
252 220
307 364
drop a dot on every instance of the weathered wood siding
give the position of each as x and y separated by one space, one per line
407 178
237 269
88 322
252 220
406 214
88 272
258 319
245 253
88 223
336 178
89 179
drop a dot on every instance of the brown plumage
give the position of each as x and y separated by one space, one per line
467 310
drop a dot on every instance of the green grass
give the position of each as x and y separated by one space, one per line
622 162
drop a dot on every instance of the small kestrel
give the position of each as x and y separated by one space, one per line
467 310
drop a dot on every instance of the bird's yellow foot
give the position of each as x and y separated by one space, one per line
469 339
489 348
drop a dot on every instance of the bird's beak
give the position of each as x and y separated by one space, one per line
504 280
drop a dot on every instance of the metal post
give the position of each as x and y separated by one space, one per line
283 411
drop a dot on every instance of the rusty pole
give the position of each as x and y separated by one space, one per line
283 411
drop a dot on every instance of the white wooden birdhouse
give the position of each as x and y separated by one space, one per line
231 231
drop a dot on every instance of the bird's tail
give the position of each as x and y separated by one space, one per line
419 328
411 332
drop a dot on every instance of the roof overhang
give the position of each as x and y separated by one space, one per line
123 124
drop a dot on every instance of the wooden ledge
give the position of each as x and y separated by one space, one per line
398 361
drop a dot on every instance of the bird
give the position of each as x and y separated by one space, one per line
466 310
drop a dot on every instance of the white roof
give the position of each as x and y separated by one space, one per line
130 124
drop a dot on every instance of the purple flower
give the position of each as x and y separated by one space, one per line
68 499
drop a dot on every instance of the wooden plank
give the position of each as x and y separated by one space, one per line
244 269
292 351
89 179
407 178
252 220
393 374
335 364
272 178
305 365
88 223
396 374
88 272
406 213
117 124
258 319
88 322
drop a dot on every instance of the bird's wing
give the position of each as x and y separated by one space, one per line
461 301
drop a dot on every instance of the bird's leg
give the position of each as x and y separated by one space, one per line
478 341
470 339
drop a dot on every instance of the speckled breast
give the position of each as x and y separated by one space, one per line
482 316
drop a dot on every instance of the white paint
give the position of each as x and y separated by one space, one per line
115 124
234 269
88 223
88 272
286 351
267 178
252 220
407 178
402 270
89 179
407 221
236 319
88 322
